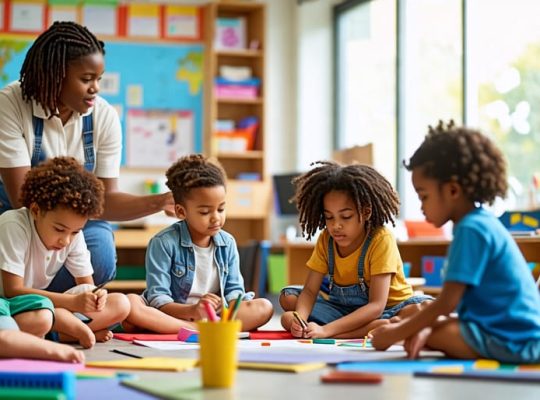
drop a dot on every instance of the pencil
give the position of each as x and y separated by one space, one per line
236 307
302 323
99 287
125 353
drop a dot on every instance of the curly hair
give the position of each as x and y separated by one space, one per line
365 186
46 62
457 154
63 182
191 172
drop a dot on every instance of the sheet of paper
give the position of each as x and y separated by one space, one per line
27 16
148 363
160 345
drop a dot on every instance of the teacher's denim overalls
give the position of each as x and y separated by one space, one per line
343 300
97 234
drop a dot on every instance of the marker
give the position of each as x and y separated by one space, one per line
125 353
324 341
265 344
210 312
99 287
302 323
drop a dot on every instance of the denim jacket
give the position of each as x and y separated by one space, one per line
170 266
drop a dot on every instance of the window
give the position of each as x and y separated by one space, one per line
474 61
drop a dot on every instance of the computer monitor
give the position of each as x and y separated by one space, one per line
283 191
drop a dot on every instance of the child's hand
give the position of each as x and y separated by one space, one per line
213 299
315 331
385 336
416 342
198 312
296 328
85 302
101 299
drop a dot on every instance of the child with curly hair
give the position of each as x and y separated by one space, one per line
59 196
486 279
367 286
194 261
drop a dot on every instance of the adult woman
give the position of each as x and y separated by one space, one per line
54 110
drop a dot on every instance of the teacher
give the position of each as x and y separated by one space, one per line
54 110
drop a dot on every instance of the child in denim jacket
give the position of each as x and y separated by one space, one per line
194 261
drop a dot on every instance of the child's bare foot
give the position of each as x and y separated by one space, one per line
79 332
103 335
63 352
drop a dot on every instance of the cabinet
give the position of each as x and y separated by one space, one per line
249 188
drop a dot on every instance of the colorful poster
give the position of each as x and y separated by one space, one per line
156 138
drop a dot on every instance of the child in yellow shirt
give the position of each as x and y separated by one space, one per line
367 286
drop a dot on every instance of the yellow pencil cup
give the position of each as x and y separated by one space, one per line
218 353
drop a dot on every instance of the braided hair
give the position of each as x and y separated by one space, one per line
458 154
365 186
63 182
45 64
191 172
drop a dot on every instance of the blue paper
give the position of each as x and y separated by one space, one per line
92 389
404 366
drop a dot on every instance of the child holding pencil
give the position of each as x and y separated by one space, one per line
486 279
194 261
59 196
367 286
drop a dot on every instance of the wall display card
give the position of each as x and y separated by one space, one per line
100 19
62 13
182 22
143 20
27 16
230 33
158 138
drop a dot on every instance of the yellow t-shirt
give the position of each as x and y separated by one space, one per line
382 257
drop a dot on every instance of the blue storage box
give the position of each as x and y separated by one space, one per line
432 270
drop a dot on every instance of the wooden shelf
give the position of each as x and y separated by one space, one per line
249 155
239 53
224 100
248 202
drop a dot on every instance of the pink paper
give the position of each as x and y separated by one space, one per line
23 365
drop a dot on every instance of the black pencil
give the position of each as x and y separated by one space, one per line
99 287
125 353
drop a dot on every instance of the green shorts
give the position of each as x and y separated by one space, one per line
24 303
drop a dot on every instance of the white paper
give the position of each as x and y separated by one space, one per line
27 17
62 14
182 26
100 20
143 26
167 345
110 83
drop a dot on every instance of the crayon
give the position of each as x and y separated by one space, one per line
236 307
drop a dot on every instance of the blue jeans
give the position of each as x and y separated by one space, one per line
100 242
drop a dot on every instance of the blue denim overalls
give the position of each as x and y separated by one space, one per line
98 234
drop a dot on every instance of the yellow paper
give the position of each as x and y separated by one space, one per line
486 364
303 367
144 10
147 363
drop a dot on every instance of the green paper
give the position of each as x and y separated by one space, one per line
169 389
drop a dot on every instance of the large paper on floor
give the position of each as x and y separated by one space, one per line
174 389
23 365
299 357
285 367
148 363
406 366
270 335
92 389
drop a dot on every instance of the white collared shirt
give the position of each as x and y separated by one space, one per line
22 252
17 133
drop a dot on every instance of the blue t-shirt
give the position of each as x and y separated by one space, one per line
501 295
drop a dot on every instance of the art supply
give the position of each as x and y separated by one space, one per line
124 353
99 287
302 323
60 381
351 377
210 312
324 341
364 344
265 343
148 363
188 335
502 375
218 354
236 307
225 312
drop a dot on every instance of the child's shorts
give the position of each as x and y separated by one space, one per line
489 346
24 303
394 310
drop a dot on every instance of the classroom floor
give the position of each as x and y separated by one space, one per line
306 385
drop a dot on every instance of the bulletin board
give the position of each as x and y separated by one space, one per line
155 85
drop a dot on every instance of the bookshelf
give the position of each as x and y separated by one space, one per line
248 201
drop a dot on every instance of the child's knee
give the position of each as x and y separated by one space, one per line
265 308
287 301
120 305
38 322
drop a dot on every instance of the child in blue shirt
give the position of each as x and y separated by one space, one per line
194 261
486 278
